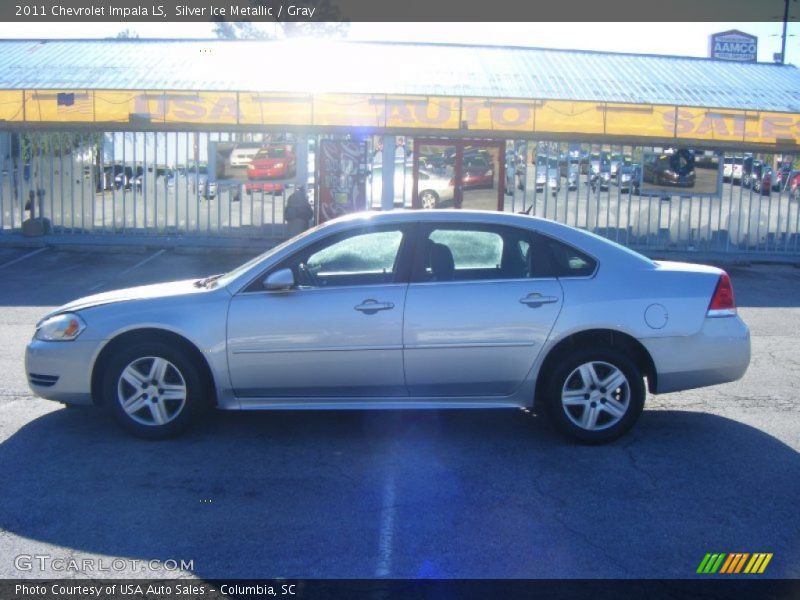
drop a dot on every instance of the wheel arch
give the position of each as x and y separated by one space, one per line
149 334
431 191
606 338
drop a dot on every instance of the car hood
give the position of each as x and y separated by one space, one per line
144 292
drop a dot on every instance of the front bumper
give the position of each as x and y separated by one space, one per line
61 371
718 353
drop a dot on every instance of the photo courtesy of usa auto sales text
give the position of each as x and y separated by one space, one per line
73 590
190 590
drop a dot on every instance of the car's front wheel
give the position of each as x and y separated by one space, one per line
595 395
153 390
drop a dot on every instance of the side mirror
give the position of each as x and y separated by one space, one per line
279 280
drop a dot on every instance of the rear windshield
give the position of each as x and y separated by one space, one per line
272 153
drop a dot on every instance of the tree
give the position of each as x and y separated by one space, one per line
239 30
327 23
127 34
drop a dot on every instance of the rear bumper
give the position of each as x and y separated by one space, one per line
718 353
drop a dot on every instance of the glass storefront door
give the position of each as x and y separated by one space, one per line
458 174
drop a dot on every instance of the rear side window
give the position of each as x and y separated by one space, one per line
472 252
471 249
565 260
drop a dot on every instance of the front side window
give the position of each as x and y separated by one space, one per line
367 258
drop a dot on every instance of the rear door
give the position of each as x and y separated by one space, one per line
478 310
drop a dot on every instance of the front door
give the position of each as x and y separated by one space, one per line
337 333
459 174
478 311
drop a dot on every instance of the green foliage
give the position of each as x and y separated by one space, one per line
126 34
326 24
56 143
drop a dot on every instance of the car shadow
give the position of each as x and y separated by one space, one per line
469 494
765 286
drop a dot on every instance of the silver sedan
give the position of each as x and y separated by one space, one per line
405 309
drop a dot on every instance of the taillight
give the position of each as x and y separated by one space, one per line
452 182
722 302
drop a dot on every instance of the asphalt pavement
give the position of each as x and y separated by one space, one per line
467 494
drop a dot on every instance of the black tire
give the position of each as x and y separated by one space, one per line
607 427
180 370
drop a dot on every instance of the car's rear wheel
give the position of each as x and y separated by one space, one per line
595 395
153 390
429 199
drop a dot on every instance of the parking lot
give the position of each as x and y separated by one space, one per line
455 494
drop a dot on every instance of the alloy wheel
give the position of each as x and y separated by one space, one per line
151 390
428 200
595 396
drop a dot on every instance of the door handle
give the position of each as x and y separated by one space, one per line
372 306
536 299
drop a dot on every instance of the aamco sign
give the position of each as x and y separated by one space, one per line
734 45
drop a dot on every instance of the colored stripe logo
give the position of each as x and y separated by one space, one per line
737 562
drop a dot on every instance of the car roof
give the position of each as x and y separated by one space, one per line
609 253
584 239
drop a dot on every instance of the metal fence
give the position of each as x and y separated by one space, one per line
752 214
131 183
86 183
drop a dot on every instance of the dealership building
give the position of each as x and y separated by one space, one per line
200 142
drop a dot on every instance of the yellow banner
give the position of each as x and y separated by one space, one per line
769 127
121 107
67 106
349 110
560 116
11 106
210 108
498 115
423 112
639 120
505 117
275 109
737 126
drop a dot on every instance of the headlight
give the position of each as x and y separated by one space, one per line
60 328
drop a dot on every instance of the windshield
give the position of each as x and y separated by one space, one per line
230 276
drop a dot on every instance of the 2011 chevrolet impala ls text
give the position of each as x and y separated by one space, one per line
405 309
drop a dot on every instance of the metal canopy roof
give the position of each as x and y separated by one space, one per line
396 68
